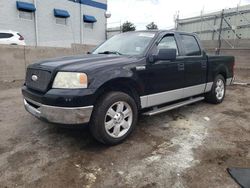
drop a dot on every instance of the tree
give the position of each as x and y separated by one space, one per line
151 26
128 26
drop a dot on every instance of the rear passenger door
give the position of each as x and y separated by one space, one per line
195 65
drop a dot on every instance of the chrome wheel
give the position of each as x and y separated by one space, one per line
219 89
118 119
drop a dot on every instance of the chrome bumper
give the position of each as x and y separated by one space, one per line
61 115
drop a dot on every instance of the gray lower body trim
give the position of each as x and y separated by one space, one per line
61 115
208 87
173 106
229 81
144 101
169 96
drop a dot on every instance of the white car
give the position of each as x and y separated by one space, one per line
11 37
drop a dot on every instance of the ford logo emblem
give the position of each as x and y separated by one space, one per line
34 77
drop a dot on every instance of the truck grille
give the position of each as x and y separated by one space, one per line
42 81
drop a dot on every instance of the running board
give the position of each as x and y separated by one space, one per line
173 106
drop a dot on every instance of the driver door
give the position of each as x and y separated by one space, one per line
166 77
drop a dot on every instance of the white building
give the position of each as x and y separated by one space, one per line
57 23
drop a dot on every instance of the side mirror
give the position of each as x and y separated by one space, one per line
164 55
88 52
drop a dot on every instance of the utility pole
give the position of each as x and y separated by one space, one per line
36 24
220 31
107 16
81 23
176 20
214 27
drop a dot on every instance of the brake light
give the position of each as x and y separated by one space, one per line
20 36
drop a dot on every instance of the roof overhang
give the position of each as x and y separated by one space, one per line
61 13
89 19
24 6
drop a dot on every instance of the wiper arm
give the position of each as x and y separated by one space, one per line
110 52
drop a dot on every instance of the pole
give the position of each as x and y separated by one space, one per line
106 28
81 25
120 26
36 25
177 21
220 31
215 18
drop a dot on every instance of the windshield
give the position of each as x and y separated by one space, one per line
131 43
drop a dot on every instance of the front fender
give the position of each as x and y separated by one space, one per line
107 75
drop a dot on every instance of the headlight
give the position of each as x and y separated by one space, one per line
70 80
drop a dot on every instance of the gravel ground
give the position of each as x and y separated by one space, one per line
188 147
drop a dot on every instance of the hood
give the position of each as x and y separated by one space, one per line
84 62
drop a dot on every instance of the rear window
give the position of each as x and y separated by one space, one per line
5 35
190 45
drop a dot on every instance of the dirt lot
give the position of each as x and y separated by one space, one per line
188 147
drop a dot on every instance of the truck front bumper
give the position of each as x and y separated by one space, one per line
59 115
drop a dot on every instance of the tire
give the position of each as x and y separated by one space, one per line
114 118
218 91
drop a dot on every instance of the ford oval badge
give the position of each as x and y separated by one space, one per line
34 77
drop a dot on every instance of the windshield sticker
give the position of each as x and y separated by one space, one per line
150 35
138 49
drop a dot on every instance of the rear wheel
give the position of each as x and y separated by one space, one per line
217 93
114 118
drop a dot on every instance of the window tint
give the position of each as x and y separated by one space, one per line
190 45
5 35
168 42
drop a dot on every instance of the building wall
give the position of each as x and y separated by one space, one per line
9 20
113 31
207 26
50 33
96 35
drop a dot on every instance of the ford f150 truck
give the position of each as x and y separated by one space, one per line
146 72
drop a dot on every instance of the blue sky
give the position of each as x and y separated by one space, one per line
162 12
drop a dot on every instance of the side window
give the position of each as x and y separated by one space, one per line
26 15
89 25
168 42
61 21
190 45
5 35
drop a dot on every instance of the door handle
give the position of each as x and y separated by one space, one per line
204 65
181 66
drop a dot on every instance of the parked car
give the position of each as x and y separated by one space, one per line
146 72
11 37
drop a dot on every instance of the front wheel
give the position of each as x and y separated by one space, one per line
218 91
114 118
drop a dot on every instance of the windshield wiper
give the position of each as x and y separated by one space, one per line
110 52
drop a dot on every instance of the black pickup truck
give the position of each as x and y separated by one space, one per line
146 72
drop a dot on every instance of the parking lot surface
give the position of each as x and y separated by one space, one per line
188 147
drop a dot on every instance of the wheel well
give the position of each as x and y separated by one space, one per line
125 85
224 74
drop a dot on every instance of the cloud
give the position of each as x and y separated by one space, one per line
162 12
